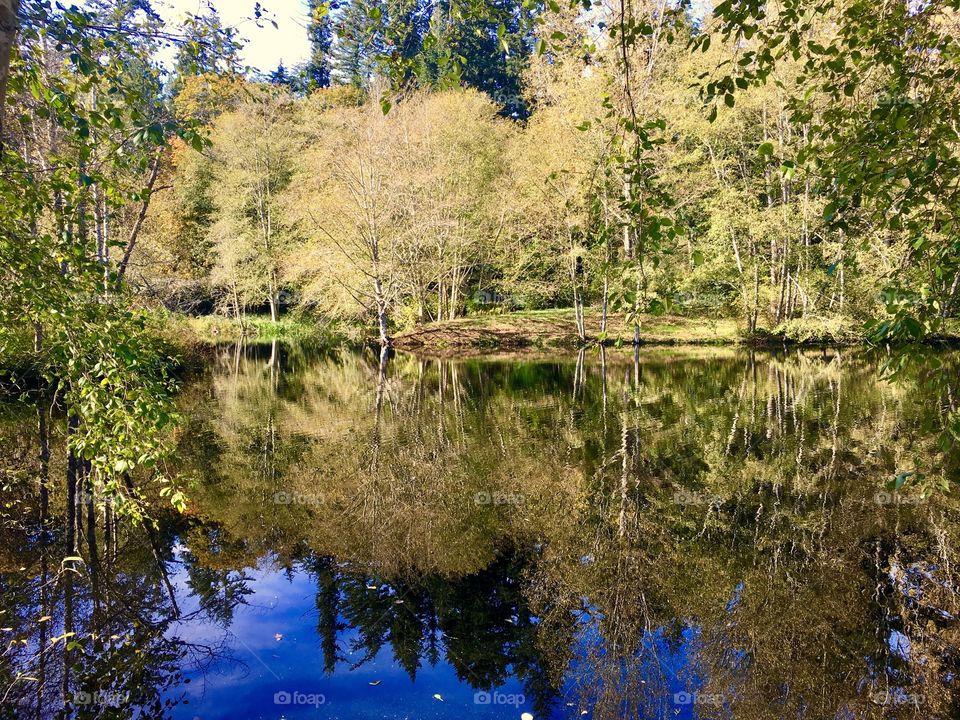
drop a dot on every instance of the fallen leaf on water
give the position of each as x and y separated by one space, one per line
375 682
438 696
278 637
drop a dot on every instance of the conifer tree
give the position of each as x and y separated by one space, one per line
320 33
359 40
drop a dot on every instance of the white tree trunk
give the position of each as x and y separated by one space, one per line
8 33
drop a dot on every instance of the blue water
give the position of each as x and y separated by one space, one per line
270 664
271 648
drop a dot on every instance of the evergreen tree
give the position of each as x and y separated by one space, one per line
470 51
280 76
208 47
320 32
405 29
359 39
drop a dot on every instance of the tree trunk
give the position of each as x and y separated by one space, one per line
73 464
575 272
8 34
43 429
273 302
604 308
141 216
381 303
94 566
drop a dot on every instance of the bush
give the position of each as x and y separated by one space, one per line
819 330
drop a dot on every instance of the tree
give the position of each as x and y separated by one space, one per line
8 33
359 35
253 161
400 207
76 179
208 47
487 47
279 76
451 147
350 215
320 33
560 219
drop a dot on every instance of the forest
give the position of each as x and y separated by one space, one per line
418 170
430 163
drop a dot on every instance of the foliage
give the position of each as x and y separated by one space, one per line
78 163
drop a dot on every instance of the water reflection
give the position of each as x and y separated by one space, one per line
682 533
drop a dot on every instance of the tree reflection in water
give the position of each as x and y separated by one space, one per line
696 533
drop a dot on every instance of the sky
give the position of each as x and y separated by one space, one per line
266 46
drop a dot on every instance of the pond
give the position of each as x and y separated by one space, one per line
684 533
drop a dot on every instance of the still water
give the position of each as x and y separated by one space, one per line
702 533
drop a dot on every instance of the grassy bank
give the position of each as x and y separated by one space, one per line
530 330
216 329
538 329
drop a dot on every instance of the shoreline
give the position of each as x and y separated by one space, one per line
527 332
540 330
